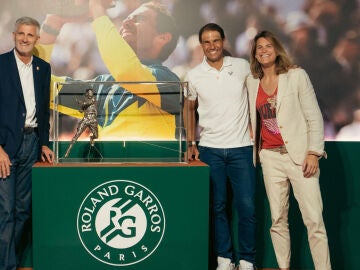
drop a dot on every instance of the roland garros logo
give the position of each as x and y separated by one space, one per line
120 223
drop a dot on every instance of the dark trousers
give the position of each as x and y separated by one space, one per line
236 165
15 201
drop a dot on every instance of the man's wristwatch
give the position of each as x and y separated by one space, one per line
50 30
191 143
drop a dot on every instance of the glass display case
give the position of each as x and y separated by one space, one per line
95 121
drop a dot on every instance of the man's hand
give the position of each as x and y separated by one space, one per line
310 165
53 24
4 164
46 154
192 152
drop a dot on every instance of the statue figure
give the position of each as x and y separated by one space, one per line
89 107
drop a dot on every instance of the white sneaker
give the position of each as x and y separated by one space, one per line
224 264
245 265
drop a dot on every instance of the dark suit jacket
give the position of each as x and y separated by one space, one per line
12 104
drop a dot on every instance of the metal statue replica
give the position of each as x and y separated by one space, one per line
89 107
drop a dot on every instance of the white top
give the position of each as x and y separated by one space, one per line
27 84
222 103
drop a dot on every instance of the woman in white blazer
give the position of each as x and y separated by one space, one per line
288 132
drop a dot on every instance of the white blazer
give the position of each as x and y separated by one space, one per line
297 112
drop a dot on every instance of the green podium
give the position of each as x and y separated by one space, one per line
132 216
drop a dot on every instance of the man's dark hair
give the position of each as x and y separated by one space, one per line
211 27
165 23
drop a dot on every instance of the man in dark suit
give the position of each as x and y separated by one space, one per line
24 133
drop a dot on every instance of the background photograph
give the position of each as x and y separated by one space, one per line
322 36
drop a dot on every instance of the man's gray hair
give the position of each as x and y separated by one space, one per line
27 21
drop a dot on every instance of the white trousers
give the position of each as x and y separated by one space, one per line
279 173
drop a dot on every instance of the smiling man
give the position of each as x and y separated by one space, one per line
217 86
24 134
134 53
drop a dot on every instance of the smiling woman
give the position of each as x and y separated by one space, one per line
329 52
289 137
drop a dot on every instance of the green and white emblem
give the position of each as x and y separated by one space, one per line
120 223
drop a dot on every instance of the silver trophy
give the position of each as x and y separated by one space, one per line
88 106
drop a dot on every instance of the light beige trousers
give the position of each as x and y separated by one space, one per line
279 173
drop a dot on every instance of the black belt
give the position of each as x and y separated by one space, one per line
29 130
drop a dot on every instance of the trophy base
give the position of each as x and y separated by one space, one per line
94 155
